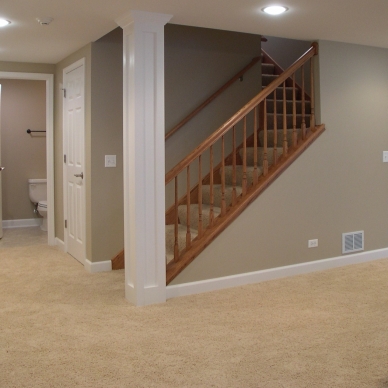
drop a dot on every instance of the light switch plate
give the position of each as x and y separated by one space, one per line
385 156
110 160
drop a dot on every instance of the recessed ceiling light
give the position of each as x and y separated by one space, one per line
4 22
275 9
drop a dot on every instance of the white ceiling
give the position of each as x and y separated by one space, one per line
78 22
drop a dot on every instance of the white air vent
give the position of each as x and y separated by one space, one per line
352 242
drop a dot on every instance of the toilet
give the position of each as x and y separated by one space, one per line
37 189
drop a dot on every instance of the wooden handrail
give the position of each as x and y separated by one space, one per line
213 138
212 97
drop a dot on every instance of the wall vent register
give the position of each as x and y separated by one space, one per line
352 242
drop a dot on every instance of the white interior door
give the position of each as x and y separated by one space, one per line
74 183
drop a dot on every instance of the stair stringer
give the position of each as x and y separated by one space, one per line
222 222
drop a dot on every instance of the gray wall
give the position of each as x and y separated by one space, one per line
103 136
285 51
338 185
24 156
198 61
26 67
107 206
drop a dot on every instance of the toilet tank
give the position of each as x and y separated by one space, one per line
37 189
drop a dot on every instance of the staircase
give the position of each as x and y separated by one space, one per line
274 128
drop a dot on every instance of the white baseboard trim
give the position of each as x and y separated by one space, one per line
101 266
7 224
60 244
273 273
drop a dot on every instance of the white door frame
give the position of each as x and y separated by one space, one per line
49 78
1 195
73 66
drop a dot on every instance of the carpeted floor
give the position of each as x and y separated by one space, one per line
63 327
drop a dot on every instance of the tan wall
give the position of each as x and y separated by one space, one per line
23 155
85 52
285 51
338 185
107 206
198 61
103 136
25 67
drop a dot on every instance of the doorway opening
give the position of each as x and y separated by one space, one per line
49 85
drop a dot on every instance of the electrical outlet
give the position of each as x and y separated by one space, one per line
313 243
110 160
385 156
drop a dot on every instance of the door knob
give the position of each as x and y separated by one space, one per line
79 175
2 168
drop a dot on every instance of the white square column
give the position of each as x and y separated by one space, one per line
144 171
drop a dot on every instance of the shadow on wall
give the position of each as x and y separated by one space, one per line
198 61
285 51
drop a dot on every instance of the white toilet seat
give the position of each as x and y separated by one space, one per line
42 205
42 209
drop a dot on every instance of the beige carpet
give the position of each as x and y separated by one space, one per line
62 327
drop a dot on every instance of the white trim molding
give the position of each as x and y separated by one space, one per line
28 222
101 266
143 145
77 64
273 273
49 78
60 244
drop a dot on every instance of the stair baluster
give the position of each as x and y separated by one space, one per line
244 176
176 246
234 177
255 173
188 228
294 134
211 214
285 144
303 125
275 130
223 202
265 150
200 226
312 117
